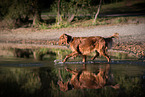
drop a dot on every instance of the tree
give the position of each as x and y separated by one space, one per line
68 9
36 12
99 7
16 12
58 12
37 7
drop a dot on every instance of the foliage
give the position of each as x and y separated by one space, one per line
41 52
17 9
68 8
16 12
42 26
60 25
59 53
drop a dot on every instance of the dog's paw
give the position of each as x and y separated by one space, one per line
57 61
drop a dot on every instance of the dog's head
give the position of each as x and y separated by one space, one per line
64 39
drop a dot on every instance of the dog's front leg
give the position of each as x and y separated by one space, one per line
70 55
97 54
84 58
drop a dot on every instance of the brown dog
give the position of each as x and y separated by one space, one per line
85 45
84 79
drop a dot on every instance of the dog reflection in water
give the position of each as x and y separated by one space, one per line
84 79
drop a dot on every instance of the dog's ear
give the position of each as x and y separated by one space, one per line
65 36
115 35
68 38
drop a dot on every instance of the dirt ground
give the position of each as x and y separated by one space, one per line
131 36
136 31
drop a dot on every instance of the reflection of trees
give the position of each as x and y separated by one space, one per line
42 82
19 81
47 79
131 86
35 82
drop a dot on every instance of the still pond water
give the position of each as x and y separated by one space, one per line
30 78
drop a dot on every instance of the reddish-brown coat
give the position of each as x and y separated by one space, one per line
85 45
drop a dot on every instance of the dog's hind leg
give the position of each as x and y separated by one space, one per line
97 54
103 52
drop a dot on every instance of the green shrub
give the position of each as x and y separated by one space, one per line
61 25
42 26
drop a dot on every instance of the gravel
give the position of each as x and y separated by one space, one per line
130 32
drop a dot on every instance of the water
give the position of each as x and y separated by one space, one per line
21 77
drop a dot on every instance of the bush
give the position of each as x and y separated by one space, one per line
61 25
42 26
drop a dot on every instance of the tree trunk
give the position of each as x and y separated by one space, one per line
71 18
36 17
58 12
36 13
97 11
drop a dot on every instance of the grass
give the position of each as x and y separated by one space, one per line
89 22
108 21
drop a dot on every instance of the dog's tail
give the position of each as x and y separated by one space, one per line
115 35
109 41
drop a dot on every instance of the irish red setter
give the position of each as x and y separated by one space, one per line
85 45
